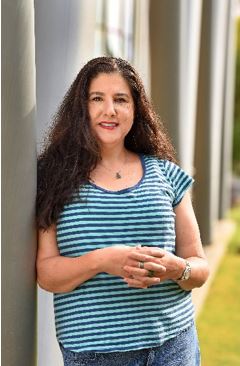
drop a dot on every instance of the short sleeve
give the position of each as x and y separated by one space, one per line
179 180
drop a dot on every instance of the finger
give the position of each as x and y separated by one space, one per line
140 257
132 282
155 267
139 272
153 251
131 263
135 271
128 275
145 276
148 281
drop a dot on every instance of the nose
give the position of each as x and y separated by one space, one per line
109 108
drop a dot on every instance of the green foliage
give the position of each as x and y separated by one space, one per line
218 324
236 131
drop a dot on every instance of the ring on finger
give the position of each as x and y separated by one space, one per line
141 265
150 273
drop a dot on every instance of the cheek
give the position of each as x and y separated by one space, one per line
129 114
131 117
92 112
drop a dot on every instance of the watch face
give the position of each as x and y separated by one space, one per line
187 274
187 271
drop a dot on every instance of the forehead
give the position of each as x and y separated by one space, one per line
113 83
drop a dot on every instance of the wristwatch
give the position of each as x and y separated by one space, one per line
186 273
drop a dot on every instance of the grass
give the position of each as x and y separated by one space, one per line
219 322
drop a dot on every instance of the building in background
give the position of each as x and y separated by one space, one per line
184 51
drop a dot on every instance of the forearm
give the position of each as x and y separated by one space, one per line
63 274
199 273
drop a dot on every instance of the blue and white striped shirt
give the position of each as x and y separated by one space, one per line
104 314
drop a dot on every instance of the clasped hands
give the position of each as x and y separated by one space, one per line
149 265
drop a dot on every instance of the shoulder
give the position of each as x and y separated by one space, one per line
171 174
163 165
169 169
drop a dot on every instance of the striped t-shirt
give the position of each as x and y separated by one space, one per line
104 314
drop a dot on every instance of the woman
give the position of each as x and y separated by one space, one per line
119 245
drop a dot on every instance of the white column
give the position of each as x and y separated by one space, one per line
18 184
189 45
114 28
64 42
210 114
141 59
228 111
175 38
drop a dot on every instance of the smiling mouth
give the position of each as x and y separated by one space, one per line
108 125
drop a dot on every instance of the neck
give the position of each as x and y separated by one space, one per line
110 156
114 161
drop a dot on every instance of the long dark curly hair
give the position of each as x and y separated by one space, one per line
71 151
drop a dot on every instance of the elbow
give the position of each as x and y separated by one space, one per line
204 276
42 280
205 272
50 280
44 285
49 285
53 287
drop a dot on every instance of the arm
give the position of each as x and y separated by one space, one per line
56 273
188 246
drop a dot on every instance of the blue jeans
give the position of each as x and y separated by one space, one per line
182 350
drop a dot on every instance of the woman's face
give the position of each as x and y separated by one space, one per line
111 109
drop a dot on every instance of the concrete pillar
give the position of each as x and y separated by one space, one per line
114 32
210 114
64 42
189 39
18 184
141 52
164 54
228 111
175 39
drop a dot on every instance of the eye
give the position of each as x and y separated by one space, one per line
120 100
96 99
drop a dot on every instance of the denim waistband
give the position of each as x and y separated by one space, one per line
182 350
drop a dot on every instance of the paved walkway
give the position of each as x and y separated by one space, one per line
214 252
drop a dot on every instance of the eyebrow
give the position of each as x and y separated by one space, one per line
116 94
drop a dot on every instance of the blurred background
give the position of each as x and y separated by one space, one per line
188 55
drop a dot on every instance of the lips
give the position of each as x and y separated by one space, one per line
108 125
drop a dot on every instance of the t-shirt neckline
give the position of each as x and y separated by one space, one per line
123 190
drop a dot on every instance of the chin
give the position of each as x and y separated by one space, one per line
109 141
